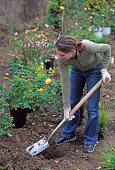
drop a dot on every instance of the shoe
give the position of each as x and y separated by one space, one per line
62 140
89 147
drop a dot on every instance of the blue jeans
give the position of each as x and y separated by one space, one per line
78 78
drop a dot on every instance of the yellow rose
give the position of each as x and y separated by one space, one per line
61 7
7 74
48 81
41 89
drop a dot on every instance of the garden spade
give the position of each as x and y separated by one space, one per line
42 144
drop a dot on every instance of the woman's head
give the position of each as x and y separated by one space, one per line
66 44
66 47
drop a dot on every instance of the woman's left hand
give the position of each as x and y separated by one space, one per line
106 77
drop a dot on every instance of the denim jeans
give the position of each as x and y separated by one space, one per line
78 79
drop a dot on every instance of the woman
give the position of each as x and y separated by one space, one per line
87 67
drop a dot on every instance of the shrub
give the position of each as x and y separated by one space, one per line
33 46
54 13
32 87
96 5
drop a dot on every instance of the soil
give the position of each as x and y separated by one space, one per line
66 156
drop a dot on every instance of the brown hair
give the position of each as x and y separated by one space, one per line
66 43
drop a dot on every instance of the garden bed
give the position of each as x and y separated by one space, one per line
67 156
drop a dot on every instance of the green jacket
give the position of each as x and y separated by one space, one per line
87 59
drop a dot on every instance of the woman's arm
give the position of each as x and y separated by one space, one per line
105 49
64 73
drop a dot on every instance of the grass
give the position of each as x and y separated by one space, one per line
108 158
103 118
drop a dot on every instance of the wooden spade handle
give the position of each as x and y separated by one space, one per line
85 98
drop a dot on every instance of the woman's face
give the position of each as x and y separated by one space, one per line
65 56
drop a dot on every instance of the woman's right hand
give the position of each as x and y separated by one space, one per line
67 114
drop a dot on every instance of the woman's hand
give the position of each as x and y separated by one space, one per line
106 77
67 114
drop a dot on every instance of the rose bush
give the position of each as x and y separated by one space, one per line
34 45
31 87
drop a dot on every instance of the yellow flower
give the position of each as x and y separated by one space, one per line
76 24
48 81
7 74
41 89
61 7
14 94
108 160
34 30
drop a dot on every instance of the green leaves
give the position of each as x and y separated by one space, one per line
29 89
103 118
5 124
108 157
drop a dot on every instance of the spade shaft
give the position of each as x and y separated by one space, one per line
41 145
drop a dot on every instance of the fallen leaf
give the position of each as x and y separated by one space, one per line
50 125
98 167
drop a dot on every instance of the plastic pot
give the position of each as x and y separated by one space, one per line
19 117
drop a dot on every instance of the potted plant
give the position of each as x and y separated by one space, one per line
28 89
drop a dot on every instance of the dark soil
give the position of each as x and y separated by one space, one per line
67 156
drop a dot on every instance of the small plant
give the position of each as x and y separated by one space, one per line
5 120
108 158
4 167
104 39
5 124
103 118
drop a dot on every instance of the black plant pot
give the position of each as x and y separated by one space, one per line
19 117
49 64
